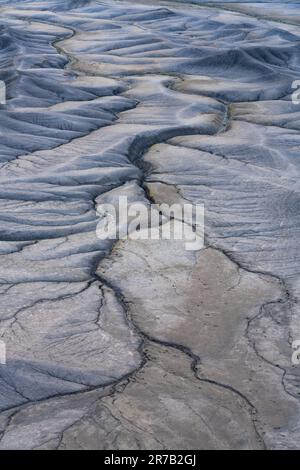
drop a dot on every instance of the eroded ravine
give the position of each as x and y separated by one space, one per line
142 314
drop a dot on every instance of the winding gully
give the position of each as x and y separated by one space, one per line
142 344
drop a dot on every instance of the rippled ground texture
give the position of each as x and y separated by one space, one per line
143 344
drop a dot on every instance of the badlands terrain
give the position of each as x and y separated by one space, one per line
142 344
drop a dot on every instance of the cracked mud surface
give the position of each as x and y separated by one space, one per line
143 344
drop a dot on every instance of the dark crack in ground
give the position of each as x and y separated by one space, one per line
143 344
